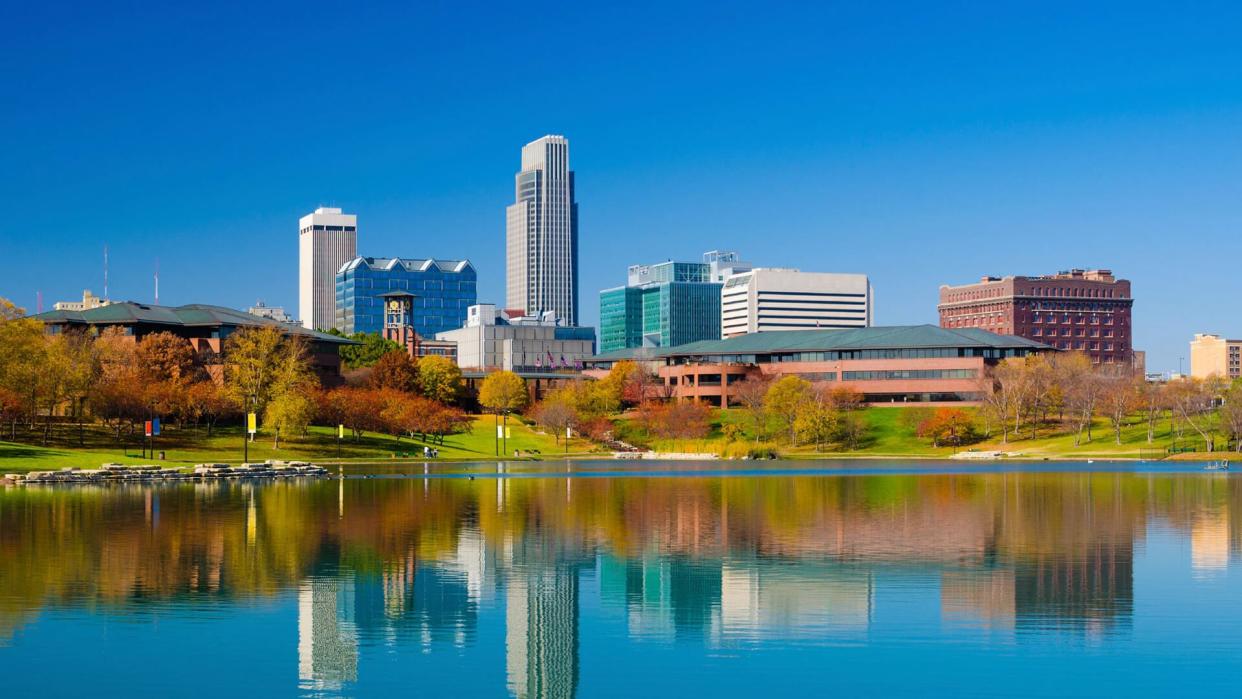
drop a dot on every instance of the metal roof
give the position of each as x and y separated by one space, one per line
822 340
192 315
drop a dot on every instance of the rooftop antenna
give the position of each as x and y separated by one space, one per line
157 281
39 301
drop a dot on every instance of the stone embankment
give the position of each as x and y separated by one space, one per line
118 473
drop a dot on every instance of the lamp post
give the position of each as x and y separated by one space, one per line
250 401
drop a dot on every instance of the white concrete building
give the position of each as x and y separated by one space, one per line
327 239
541 233
493 340
767 299
88 302
276 313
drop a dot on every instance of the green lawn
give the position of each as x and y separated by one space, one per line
889 435
188 446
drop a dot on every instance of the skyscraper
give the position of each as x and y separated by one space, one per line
542 233
327 239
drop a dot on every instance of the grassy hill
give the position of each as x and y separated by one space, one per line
189 446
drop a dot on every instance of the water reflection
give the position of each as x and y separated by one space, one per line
723 563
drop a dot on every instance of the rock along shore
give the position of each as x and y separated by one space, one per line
118 473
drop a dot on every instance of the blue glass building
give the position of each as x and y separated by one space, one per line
666 304
442 289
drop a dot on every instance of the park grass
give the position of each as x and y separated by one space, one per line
888 435
185 447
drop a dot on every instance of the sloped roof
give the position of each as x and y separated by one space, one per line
386 264
823 340
192 315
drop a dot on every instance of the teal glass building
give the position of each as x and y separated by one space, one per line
666 304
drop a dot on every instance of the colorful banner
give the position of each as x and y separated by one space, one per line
340 431
252 423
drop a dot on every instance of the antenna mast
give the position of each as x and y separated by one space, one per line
105 295
157 281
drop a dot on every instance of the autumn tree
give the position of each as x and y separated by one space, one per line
288 412
164 356
556 413
440 379
503 392
1192 399
261 364
952 426
1230 414
208 402
786 399
751 393
1119 397
395 370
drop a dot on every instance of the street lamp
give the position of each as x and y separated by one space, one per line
250 401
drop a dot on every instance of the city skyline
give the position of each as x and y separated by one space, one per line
992 143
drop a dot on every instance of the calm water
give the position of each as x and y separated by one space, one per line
816 579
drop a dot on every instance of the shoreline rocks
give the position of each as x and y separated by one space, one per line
147 473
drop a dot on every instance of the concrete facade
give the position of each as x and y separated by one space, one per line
1213 355
327 239
769 299
541 233
491 340
1079 310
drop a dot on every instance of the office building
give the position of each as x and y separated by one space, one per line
88 302
1078 310
440 291
327 239
899 364
666 304
542 234
276 313
204 327
767 299
1213 355
493 339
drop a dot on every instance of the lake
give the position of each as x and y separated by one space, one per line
630 578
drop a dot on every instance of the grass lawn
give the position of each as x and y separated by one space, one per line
889 435
188 446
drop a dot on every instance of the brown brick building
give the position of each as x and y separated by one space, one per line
1079 310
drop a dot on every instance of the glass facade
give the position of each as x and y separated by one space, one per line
673 303
442 290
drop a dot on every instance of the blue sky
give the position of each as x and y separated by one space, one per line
921 143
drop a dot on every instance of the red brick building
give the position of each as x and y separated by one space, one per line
1079 310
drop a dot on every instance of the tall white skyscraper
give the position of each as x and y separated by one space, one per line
327 239
542 233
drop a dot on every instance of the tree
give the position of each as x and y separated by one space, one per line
816 423
1192 398
1152 400
503 392
79 369
440 379
289 412
628 383
1082 388
786 399
23 358
396 370
947 426
261 365
207 401
1119 397
1230 414
369 352
10 410
556 413
751 392
163 356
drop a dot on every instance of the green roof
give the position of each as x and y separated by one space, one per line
193 315
824 340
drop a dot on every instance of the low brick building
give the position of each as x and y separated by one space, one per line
899 364
1081 310
204 327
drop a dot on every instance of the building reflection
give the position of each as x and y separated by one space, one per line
414 564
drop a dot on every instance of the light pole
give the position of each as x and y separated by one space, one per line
250 401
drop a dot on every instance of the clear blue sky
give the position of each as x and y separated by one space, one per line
921 143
